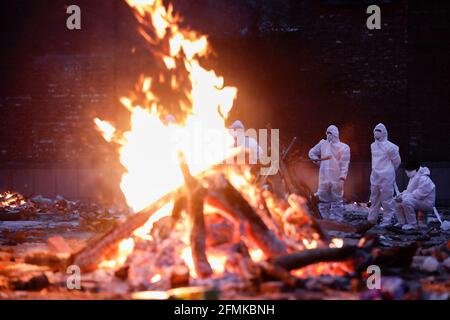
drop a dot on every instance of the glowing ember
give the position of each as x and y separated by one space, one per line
323 268
187 258
126 247
217 262
336 243
257 255
150 295
156 278
144 231
11 200
107 129
310 244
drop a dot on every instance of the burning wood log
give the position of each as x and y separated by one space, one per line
48 259
394 257
363 257
344 227
299 205
275 206
274 271
178 206
58 245
195 198
295 186
303 258
218 229
89 257
242 263
311 200
272 222
224 196
31 283
286 176
179 276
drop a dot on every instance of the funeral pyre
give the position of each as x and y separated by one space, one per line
244 225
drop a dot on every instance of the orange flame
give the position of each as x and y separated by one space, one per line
143 232
148 150
126 247
106 128
11 200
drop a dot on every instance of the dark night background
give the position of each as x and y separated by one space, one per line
298 64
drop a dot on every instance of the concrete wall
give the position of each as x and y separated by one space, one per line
73 183
92 184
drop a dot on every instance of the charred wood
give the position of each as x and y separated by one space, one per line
195 200
224 196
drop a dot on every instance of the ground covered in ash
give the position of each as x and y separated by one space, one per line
29 227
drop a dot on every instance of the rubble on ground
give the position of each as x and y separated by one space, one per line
39 232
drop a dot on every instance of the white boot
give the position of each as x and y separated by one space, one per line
408 227
385 223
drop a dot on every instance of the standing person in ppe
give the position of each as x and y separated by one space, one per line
420 194
334 158
245 141
385 161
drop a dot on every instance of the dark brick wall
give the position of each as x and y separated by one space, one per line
298 64
429 79
324 67
69 90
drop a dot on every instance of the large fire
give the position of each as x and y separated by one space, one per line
148 150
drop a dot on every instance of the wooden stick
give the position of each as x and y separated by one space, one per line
92 254
311 200
195 198
303 258
277 272
286 176
266 215
299 204
178 206
88 258
244 263
384 258
224 196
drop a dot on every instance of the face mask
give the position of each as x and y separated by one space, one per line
329 137
377 135
411 173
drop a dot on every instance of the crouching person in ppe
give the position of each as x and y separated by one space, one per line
420 194
334 159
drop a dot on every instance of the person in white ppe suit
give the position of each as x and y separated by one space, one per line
243 140
420 194
385 161
334 159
